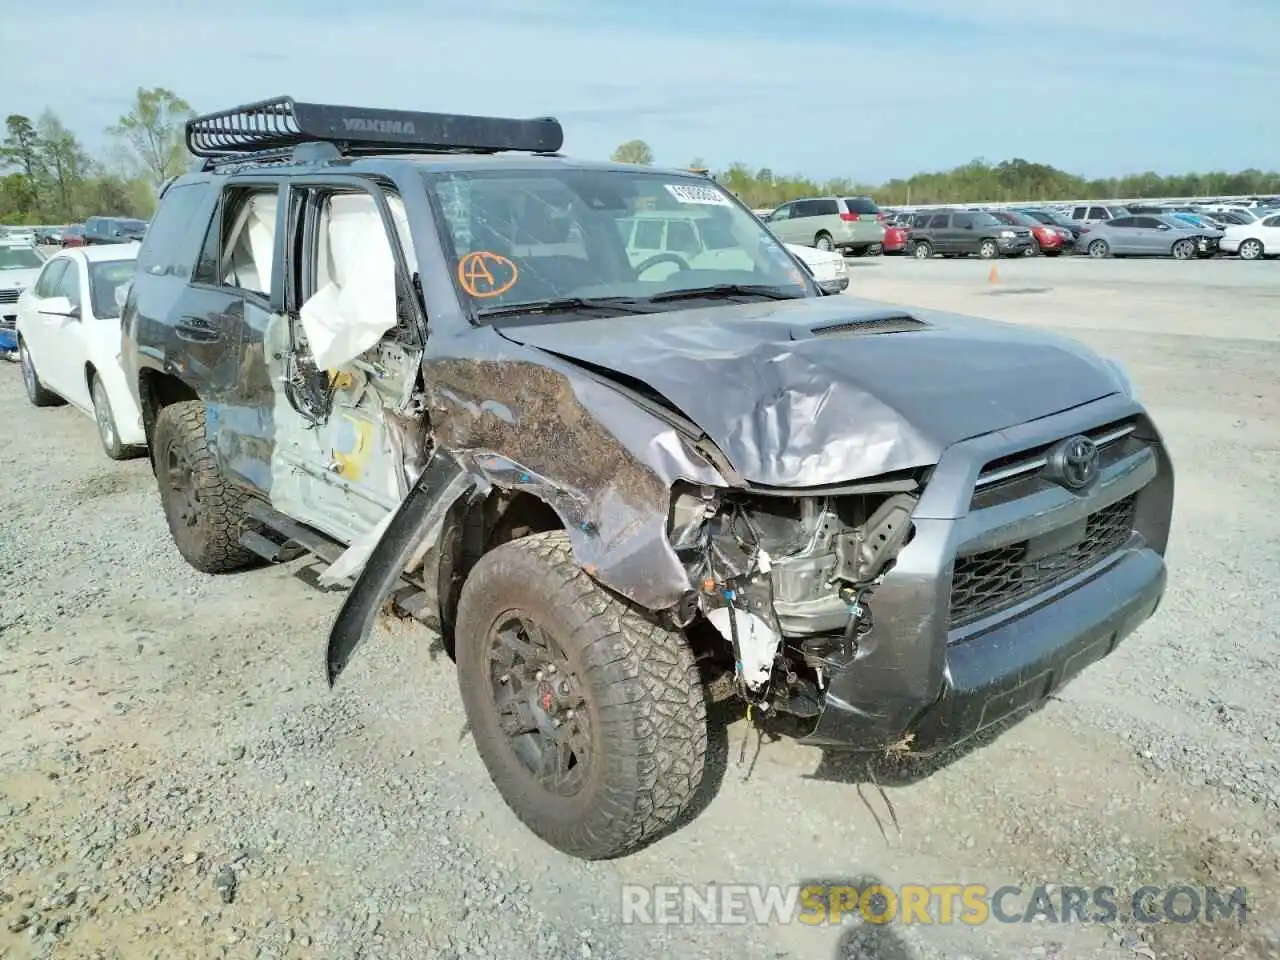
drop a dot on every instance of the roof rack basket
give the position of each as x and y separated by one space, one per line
281 123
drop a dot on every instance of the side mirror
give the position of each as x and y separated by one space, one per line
59 307
832 287
968 226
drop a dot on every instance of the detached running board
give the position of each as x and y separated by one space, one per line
417 520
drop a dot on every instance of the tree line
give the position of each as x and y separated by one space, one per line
974 182
47 175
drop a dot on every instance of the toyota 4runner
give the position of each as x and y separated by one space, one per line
428 350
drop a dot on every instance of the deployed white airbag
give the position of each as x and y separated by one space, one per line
355 300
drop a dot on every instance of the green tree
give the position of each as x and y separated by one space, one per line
65 163
634 151
21 149
154 132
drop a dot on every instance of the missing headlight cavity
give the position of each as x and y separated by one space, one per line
788 582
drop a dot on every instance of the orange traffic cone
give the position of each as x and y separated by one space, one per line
994 276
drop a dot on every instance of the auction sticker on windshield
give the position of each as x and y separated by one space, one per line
687 193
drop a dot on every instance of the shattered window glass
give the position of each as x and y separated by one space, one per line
528 235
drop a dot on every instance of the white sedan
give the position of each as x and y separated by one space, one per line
69 341
827 266
1253 241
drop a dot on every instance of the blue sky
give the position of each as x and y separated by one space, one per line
867 89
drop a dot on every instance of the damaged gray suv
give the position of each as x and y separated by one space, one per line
622 482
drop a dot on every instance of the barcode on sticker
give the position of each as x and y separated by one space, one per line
687 193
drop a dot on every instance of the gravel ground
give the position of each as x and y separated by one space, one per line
176 780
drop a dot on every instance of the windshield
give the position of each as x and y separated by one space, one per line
106 279
637 238
19 258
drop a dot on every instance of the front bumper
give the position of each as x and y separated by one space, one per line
918 681
1014 245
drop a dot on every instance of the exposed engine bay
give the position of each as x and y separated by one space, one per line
788 583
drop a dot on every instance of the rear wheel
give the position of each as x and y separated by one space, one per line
823 242
1099 250
36 392
106 422
205 513
988 250
922 250
1184 250
589 716
1251 250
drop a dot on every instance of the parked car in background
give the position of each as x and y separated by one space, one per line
1253 241
962 233
69 341
73 236
113 230
1200 220
897 237
827 266
1097 213
18 235
852 224
1052 218
1045 239
1150 236
19 266
48 236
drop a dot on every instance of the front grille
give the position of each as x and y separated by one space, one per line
8 296
985 583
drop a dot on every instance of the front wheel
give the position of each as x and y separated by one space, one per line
1251 250
589 716
36 391
205 513
922 250
1184 250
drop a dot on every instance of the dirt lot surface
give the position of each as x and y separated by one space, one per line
176 780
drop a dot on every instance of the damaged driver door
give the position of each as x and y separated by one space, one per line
350 435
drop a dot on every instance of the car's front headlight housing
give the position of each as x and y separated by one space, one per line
1007 234
1127 383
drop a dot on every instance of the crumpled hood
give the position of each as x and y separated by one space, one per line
790 408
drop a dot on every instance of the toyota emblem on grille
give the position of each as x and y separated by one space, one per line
1074 462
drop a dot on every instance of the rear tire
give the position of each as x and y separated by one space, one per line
922 250
1099 250
823 241
621 722
988 250
205 513
36 392
105 420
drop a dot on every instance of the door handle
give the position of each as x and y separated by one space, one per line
197 330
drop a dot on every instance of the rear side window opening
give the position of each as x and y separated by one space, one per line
861 205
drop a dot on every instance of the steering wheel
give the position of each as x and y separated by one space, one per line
680 262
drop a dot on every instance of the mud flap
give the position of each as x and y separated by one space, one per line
420 514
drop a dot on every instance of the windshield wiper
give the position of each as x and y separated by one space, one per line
618 305
724 290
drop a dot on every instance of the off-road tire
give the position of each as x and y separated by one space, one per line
644 700
823 241
988 250
37 393
212 543
922 249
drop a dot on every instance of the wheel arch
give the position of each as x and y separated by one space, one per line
157 390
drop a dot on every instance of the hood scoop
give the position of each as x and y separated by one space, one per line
887 321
